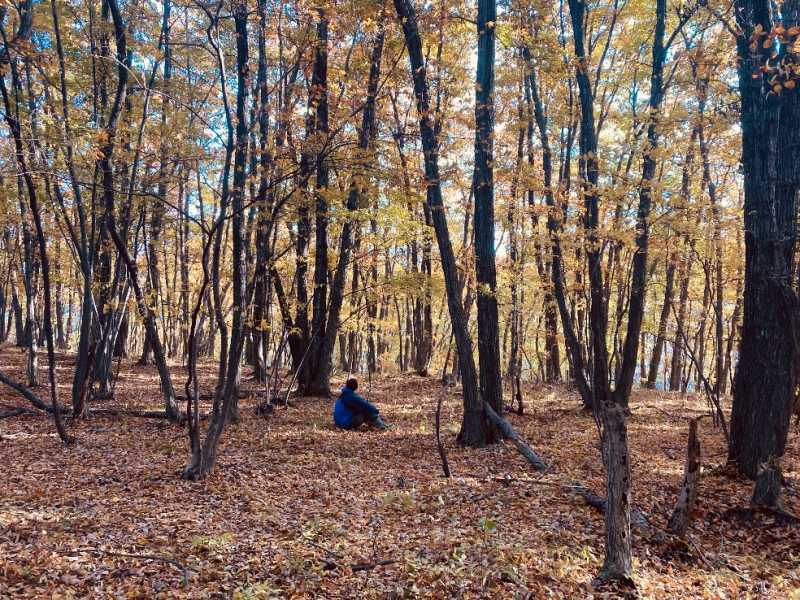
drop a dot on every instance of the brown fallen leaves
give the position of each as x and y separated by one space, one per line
297 509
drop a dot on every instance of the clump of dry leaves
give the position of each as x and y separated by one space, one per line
297 509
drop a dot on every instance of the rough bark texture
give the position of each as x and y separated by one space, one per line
474 427
483 179
687 498
618 562
318 373
766 378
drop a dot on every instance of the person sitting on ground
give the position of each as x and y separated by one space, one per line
351 410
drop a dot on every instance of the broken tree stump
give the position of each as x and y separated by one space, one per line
687 498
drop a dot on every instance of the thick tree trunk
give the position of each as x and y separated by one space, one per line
766 378
491 381
475 430
317 383
618 563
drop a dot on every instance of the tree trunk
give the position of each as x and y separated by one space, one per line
554 226
613 407
766 378
687 499
30 188
203 457
491 381
106 167
658 346
475 430
326 335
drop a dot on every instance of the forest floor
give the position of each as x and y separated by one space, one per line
298 509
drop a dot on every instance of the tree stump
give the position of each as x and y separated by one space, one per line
687 499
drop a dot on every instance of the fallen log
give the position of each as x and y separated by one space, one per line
129 412
13 412
112 412
508 432
638 519
369 566
29 395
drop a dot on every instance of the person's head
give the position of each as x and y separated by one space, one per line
352 384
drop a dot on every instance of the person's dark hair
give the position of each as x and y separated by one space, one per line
352 384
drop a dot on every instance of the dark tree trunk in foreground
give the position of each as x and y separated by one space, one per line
317 383
474 427
766 378
491 381
314 159
230 406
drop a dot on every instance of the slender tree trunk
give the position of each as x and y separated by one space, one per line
613 406
700 340
203 456
30 188
474 427
320 382
106 167
554 226
661 335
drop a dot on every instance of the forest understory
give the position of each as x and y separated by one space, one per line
297 509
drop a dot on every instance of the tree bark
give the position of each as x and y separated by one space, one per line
320 382
766 378
687 498
491 381
475 430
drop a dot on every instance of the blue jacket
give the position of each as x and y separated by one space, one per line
348 404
